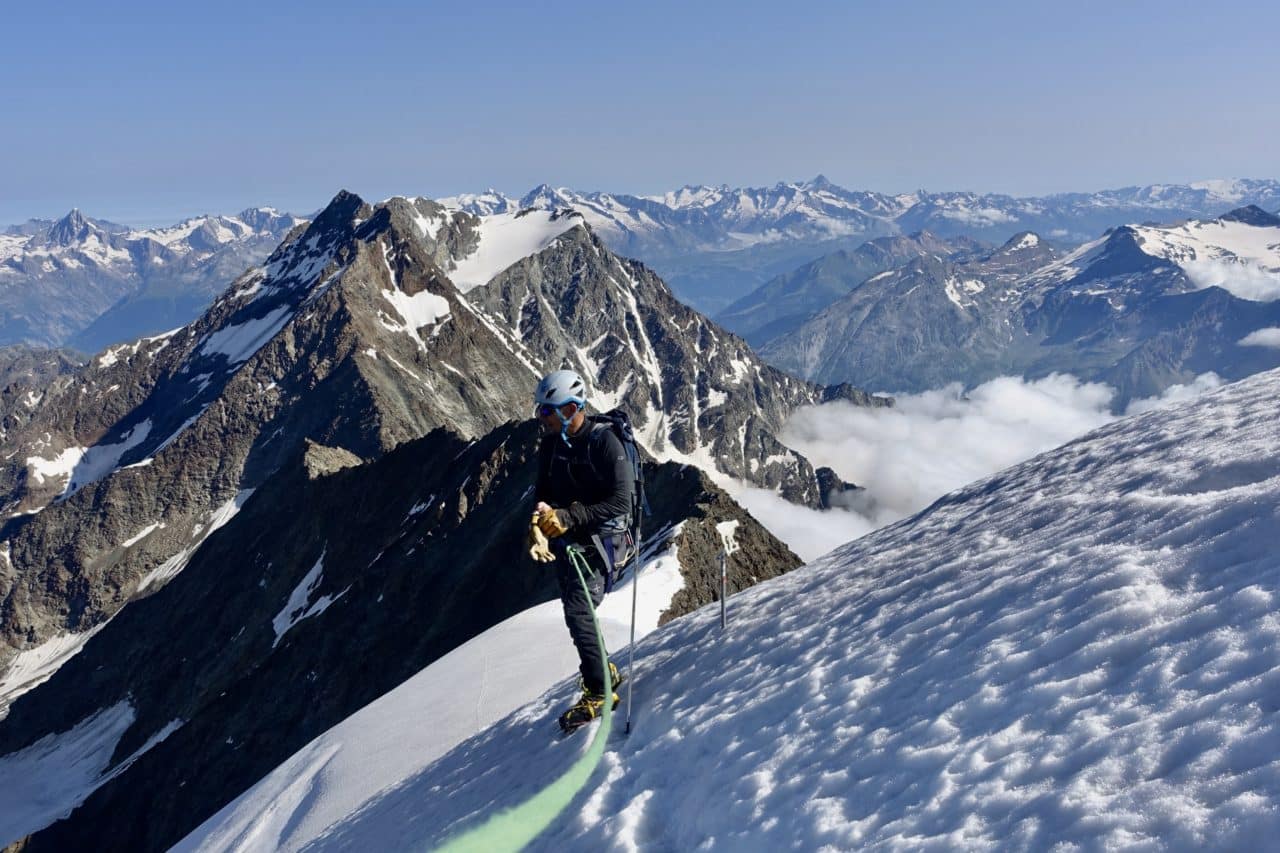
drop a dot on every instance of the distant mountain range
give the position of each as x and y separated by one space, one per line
88 283
713 245
1142 308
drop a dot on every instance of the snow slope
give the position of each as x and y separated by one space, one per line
506 238
401 733
1082 650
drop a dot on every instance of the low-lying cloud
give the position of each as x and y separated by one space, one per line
1244 280
930 444
1176 394
1262 338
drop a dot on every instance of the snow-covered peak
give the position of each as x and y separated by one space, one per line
205 233
691 197
172 234
546 197
1239 252
1220 238
76 239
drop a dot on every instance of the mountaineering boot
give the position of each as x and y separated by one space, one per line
615 678
590 706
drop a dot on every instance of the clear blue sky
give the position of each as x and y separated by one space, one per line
162 111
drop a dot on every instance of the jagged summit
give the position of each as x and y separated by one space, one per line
344 208
70 229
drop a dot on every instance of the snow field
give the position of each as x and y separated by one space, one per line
505 238
31 668
1083 650
84 465
47 780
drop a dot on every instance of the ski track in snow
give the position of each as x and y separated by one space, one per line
1081 650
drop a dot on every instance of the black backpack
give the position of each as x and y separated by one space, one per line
620 423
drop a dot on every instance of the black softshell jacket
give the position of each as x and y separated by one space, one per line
590 478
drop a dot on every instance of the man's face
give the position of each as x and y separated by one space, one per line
550 420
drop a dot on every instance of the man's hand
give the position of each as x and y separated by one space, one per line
539 548
552 522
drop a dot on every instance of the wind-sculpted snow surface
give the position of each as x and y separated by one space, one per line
1083 649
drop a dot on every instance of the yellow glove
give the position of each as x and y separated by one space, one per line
549 522
539 549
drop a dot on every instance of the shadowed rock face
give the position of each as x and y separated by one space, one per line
353 335
25 373
417 551
695 391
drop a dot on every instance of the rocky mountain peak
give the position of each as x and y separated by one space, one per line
1252 215
1121 254
1020 241
263 218
340 214
69 230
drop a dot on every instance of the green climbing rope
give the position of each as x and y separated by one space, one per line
514 828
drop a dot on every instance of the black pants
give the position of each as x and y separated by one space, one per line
577 615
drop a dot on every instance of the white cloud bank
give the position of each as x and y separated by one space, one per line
1244 280
1262 338
932 443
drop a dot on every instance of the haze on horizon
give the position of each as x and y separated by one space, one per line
148 115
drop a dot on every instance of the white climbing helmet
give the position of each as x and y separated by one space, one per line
560 387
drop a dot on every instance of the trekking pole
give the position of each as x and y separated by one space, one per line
631 650
729 545
724 589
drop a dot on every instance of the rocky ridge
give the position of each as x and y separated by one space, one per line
338 579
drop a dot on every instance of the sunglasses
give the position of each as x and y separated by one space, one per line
546 410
